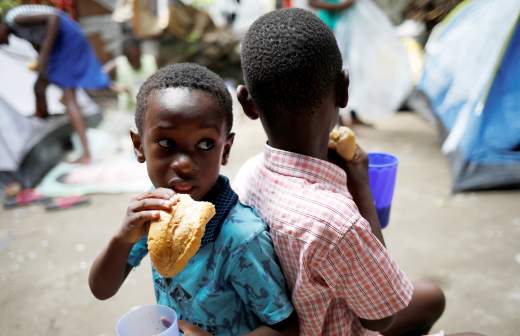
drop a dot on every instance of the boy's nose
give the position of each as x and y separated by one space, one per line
182 165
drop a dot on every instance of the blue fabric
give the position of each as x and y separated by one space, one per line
232 285
330 18
492 138
489 136
72 63
224 199
470 76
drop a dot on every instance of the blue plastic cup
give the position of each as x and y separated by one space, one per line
382 171
148 320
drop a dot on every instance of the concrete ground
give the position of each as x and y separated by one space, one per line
468 243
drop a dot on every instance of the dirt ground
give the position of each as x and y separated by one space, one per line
468 243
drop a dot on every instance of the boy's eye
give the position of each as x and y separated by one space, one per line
206 144
166 143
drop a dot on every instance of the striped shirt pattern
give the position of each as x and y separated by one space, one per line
336 269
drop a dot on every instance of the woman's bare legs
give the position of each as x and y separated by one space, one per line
40 86
77 122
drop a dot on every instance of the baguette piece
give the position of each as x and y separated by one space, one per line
343 140
176 236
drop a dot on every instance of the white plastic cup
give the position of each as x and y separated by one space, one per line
147 320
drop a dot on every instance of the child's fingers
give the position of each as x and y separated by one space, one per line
165 192
162 193
151 204
360 152
143 217
360 156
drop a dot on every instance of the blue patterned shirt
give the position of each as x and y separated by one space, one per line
232 285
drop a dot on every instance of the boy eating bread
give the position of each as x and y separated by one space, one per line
232 285
312 188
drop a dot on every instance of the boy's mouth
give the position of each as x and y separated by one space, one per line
182 187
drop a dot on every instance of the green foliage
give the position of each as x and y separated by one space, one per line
5 5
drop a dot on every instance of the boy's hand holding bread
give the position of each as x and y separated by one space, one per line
142 209
343 140
345 153
176 236
174 224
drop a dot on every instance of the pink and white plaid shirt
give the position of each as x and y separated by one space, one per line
335 267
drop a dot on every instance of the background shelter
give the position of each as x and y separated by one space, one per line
471 77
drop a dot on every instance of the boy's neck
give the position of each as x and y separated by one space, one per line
304 133
318 153
301 142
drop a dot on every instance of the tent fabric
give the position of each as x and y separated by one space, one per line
17 135
30 147
471 79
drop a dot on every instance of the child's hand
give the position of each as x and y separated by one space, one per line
356 169
359 187
191 330
41 68
143 209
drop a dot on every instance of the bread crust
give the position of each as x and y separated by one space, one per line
343 140
176 236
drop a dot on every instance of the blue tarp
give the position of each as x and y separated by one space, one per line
472 79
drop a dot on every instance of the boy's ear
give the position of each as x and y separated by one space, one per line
246 101
227 148
138 146
342 89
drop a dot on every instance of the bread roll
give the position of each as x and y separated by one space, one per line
343 140
176 236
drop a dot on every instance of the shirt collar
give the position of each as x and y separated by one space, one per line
302 166
224 199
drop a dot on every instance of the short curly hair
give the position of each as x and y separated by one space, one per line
185 75
290 60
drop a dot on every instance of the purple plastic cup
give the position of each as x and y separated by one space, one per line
382 170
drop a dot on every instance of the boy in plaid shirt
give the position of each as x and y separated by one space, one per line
323 225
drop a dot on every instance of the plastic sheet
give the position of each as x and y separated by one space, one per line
380 74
